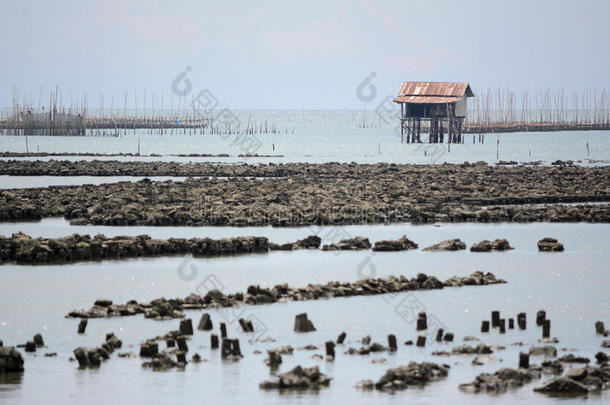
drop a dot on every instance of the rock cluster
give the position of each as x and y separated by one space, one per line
394 245
578 381
88 357
450 245
549 245
357 243
499 245
298 379
310 242
501 380
401 377
24 249
161 309
302 194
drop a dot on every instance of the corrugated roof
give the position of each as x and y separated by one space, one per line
446 89
426 99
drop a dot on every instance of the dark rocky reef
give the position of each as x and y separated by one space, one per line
298 379
22 248
300 194
395 245
162 309
413 374
498 245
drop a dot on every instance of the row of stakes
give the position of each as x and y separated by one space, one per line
231 348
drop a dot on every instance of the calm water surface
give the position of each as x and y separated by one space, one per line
572 286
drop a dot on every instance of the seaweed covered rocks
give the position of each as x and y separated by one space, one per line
450 245
394 245
300 194
550 245
401 377
501 380
578 381
24 249
298 379
498 245
357 243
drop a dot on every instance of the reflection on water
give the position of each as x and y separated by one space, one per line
571 286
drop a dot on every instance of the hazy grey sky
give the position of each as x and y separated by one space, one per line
308 54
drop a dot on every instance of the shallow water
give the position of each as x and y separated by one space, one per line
323 136
571 286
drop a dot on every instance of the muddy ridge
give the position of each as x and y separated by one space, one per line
310 194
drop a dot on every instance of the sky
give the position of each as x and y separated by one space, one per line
295 55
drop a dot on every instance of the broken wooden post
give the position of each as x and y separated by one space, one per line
511 323
392 343
205 323
484 326
495 319
421 341
524 360
422 321
82 325
214 341
540 317
341 338
182 346
186 327
546 328
170 343
181 357
223 330
330 349
448 337
521 320
600 328
302 324
439 335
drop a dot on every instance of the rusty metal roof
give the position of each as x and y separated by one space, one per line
451 89
426 99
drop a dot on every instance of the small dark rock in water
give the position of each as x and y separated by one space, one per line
113 341
10 360
196 358
501 380
340 339
160 362
601 357
400 378
394 245
549 245
127 355
357 243
499 245
38 341
606 343
547 351
246 325
365 385
186 327
448 337
408 343
103 302
450 245
599 328
298 378
570 358
50 355
563 386
302 324
30 346
205 323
